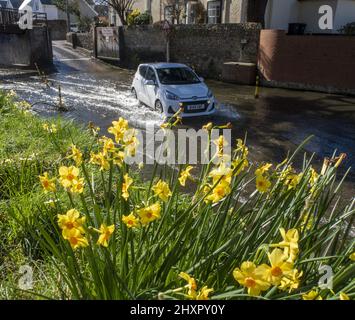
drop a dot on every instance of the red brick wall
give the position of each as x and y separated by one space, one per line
310 60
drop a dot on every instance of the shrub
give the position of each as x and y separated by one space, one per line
143 18
348 29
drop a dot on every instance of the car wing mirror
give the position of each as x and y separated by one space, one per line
149 82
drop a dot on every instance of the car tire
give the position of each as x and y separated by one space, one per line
134 93
158 106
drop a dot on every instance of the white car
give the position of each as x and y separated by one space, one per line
167 87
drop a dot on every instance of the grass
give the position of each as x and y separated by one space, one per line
130 239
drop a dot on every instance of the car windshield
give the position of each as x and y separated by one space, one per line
177 76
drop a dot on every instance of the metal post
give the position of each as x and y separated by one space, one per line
167 49
68 14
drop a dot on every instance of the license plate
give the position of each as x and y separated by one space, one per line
196 107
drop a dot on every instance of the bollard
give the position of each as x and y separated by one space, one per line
256 95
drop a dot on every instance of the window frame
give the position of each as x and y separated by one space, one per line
217 18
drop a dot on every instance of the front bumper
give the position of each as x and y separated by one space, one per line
191 108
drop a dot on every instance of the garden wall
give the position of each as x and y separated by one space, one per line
314 62
205 47
58 29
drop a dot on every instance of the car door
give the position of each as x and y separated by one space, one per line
139 83
151 90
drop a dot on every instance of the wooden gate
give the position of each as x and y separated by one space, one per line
107 43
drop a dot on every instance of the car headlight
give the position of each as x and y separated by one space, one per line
171 96
209 93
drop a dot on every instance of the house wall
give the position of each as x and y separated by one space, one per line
279 13
308 13
52 12
316 62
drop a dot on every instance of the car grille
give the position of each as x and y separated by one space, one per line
187 104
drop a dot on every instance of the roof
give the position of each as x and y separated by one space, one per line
3 4
159 65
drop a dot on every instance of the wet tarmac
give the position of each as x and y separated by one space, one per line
275 123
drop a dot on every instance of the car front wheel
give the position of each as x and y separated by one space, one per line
159 106
134 93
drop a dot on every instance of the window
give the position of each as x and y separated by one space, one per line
177 76
191 12
169 14
151 75
143 71
214 11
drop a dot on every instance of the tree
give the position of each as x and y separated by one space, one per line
121 7
256 11
176 10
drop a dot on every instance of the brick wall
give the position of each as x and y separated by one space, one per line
317 62
205 47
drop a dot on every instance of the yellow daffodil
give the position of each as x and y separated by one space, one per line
117 157
75 238
76 155
339 160
289 243
131 221
208 126
191 284
77 186
105 234
279 267
50 128
352 256
125 186
314 176
344 296
312 295
118 129
291 281
71 220
220 143
131 142
262 184
108 145
149 214
293 180
162 190
47 184
239 165
260 171
100 160
242 148
221 173
68 175
251 277
184 175
220 191
204 293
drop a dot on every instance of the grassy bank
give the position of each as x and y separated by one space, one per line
74 211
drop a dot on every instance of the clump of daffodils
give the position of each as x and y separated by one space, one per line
279 271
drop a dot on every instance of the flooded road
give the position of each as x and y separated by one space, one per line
275 123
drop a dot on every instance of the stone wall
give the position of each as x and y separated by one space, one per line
204 47
27 48
58 29
314 62
85 40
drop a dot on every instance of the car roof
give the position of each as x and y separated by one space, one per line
159 65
